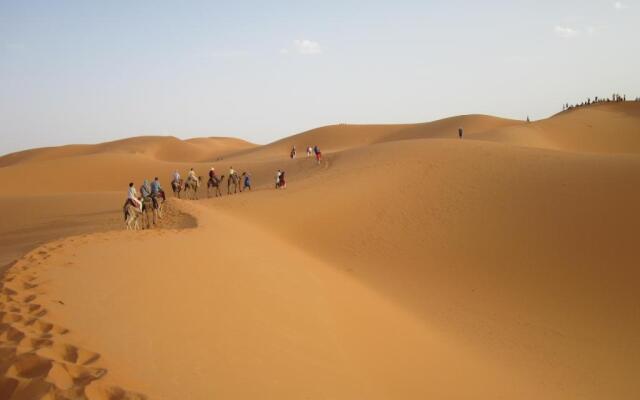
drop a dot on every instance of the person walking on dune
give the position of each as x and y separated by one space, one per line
309 150
246 181
460 132
278 173
318 154
293 152
283 183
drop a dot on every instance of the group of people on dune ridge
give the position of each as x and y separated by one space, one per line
315 150
615 98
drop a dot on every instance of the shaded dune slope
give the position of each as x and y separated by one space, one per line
503 247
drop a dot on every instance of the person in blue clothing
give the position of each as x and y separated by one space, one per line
246 181
156 192
155 187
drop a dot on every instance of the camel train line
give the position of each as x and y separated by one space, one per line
144 209
190 186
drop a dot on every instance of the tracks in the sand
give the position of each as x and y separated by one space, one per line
36 360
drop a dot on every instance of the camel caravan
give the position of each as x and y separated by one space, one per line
143 210
235 183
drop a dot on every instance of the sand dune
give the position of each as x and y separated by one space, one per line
600 128
409 264
161 148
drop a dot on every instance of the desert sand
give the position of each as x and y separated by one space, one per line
409 264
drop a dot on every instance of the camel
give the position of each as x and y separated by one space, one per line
132 215
147 208
215 183
177 187
158 205
235 181
192 186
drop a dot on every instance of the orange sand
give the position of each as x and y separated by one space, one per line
409 264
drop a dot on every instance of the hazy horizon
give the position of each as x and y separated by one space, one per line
71 72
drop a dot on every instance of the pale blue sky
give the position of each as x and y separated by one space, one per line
86 72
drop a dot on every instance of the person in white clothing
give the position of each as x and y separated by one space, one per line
133 196
192 175
278 179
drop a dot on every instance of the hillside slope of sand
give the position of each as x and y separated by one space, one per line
409 264
600 128
161 148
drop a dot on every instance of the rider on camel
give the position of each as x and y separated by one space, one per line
156 191
145 189
192 175
132 196
212 175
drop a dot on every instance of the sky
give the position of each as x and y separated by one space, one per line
90 71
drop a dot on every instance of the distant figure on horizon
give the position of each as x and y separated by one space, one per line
293 152
528 120
460 132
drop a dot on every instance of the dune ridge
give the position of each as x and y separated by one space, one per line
162 148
